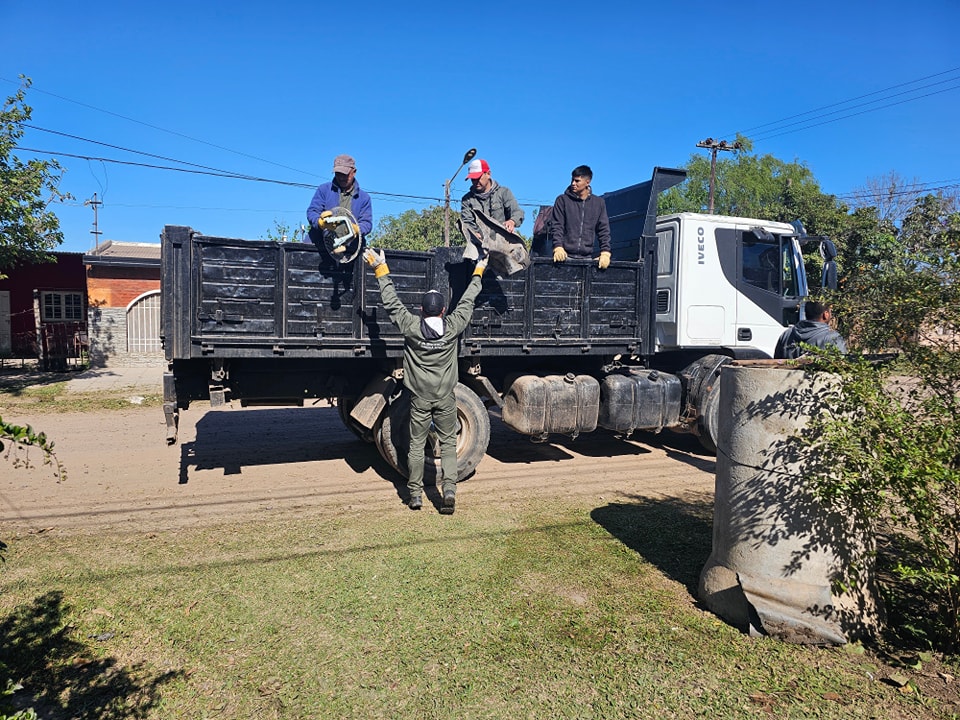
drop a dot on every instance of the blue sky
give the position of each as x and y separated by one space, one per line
276 90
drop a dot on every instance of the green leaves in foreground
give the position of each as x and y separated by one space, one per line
16 436
887 454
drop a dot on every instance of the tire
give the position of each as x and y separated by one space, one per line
392 436
702 382
344 406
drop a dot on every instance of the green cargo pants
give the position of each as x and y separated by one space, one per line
443 414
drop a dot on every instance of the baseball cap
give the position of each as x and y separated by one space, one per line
432 303
477 168
343 164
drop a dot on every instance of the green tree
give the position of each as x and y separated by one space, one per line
768 188
415 230
888 451
758 186
28 228
282 231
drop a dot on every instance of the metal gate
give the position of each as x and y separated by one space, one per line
143 324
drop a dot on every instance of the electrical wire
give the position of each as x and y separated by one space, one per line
862 112
33 88
845 102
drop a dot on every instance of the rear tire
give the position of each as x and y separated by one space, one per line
392 436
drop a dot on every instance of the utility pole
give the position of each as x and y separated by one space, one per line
93 202
714 146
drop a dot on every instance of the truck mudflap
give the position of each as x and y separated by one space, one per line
171 413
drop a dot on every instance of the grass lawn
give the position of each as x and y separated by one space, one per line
549 610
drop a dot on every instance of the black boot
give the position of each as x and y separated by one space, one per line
449 501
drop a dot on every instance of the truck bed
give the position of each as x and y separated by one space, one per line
228 299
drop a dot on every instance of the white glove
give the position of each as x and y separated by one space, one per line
373 258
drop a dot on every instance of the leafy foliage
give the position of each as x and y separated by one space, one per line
758 186
889 451
283 232
415 230
14 437
10 689
28 229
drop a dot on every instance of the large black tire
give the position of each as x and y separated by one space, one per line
344 406
702 382
392 436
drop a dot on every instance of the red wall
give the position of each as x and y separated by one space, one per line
66 274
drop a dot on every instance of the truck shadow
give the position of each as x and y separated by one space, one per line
236 438
507 446
672 534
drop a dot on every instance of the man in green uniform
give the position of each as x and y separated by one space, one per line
429 373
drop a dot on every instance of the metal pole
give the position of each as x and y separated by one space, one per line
446 212
467 157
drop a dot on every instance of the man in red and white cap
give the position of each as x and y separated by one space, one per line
489 197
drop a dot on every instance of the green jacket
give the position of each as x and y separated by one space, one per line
429 366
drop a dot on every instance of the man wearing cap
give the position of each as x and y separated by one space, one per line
343 191
580 220
429 373
492 199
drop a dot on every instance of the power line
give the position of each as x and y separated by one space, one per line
856 194
862 112
214 172
33 88
219 173
126 149
845 102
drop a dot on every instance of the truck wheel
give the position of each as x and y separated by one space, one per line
392 436
702 381
344 406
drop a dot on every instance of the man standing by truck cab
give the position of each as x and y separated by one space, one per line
489 197
813 330
579 220
343 191
429 373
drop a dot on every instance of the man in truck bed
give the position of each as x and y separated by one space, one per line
579 220
429 373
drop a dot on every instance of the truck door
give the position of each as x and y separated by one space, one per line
771 283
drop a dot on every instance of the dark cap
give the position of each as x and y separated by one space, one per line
432 303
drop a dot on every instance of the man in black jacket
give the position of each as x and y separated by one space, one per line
814 330
580 220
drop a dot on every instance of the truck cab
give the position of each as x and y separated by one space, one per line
729 284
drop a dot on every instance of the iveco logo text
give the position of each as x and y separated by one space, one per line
700 247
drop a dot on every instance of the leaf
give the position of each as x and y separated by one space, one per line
898 680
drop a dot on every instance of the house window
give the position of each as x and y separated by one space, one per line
61 307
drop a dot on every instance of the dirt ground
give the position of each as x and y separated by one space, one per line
239 462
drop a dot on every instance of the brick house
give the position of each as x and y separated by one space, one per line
43 310
123 291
